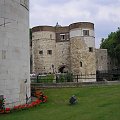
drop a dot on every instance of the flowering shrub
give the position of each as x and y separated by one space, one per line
42 99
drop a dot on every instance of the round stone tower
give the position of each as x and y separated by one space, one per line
82 50
14 52
43 48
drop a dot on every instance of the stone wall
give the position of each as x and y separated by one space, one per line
83 60
14 51
81 55
70 45
62 55
101 59
43 41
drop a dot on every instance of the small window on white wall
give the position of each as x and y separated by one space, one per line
85 32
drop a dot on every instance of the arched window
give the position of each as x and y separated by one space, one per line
81 64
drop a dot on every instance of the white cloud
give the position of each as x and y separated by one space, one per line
103 13
108 13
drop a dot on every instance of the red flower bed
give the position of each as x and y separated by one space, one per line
25 106
7 110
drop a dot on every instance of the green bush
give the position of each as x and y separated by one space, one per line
44 79
65 77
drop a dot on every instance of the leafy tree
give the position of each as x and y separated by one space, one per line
112 44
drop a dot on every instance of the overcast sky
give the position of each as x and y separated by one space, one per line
105 14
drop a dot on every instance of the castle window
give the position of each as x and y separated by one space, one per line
41 52
49 52
81 64
50 36
62 36
85 32
90 49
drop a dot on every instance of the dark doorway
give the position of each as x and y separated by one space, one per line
61 69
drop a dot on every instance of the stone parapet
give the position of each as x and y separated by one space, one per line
43 28
81 25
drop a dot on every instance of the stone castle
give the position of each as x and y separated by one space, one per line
64 49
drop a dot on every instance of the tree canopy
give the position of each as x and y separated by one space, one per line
112 44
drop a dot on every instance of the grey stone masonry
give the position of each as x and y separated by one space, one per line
64 49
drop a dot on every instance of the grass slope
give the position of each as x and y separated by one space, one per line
94 103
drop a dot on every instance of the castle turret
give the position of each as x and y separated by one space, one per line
43 48
14 52
65 49
82 50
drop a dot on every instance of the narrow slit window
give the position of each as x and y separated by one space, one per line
81 64
50 36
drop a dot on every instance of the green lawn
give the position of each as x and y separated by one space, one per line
94 103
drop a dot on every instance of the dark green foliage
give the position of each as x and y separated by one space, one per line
62 78
65 77
43 79
46 79
112 44
69 77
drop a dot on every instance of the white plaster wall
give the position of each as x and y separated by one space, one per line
14 52
79 32
76 32
89 40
